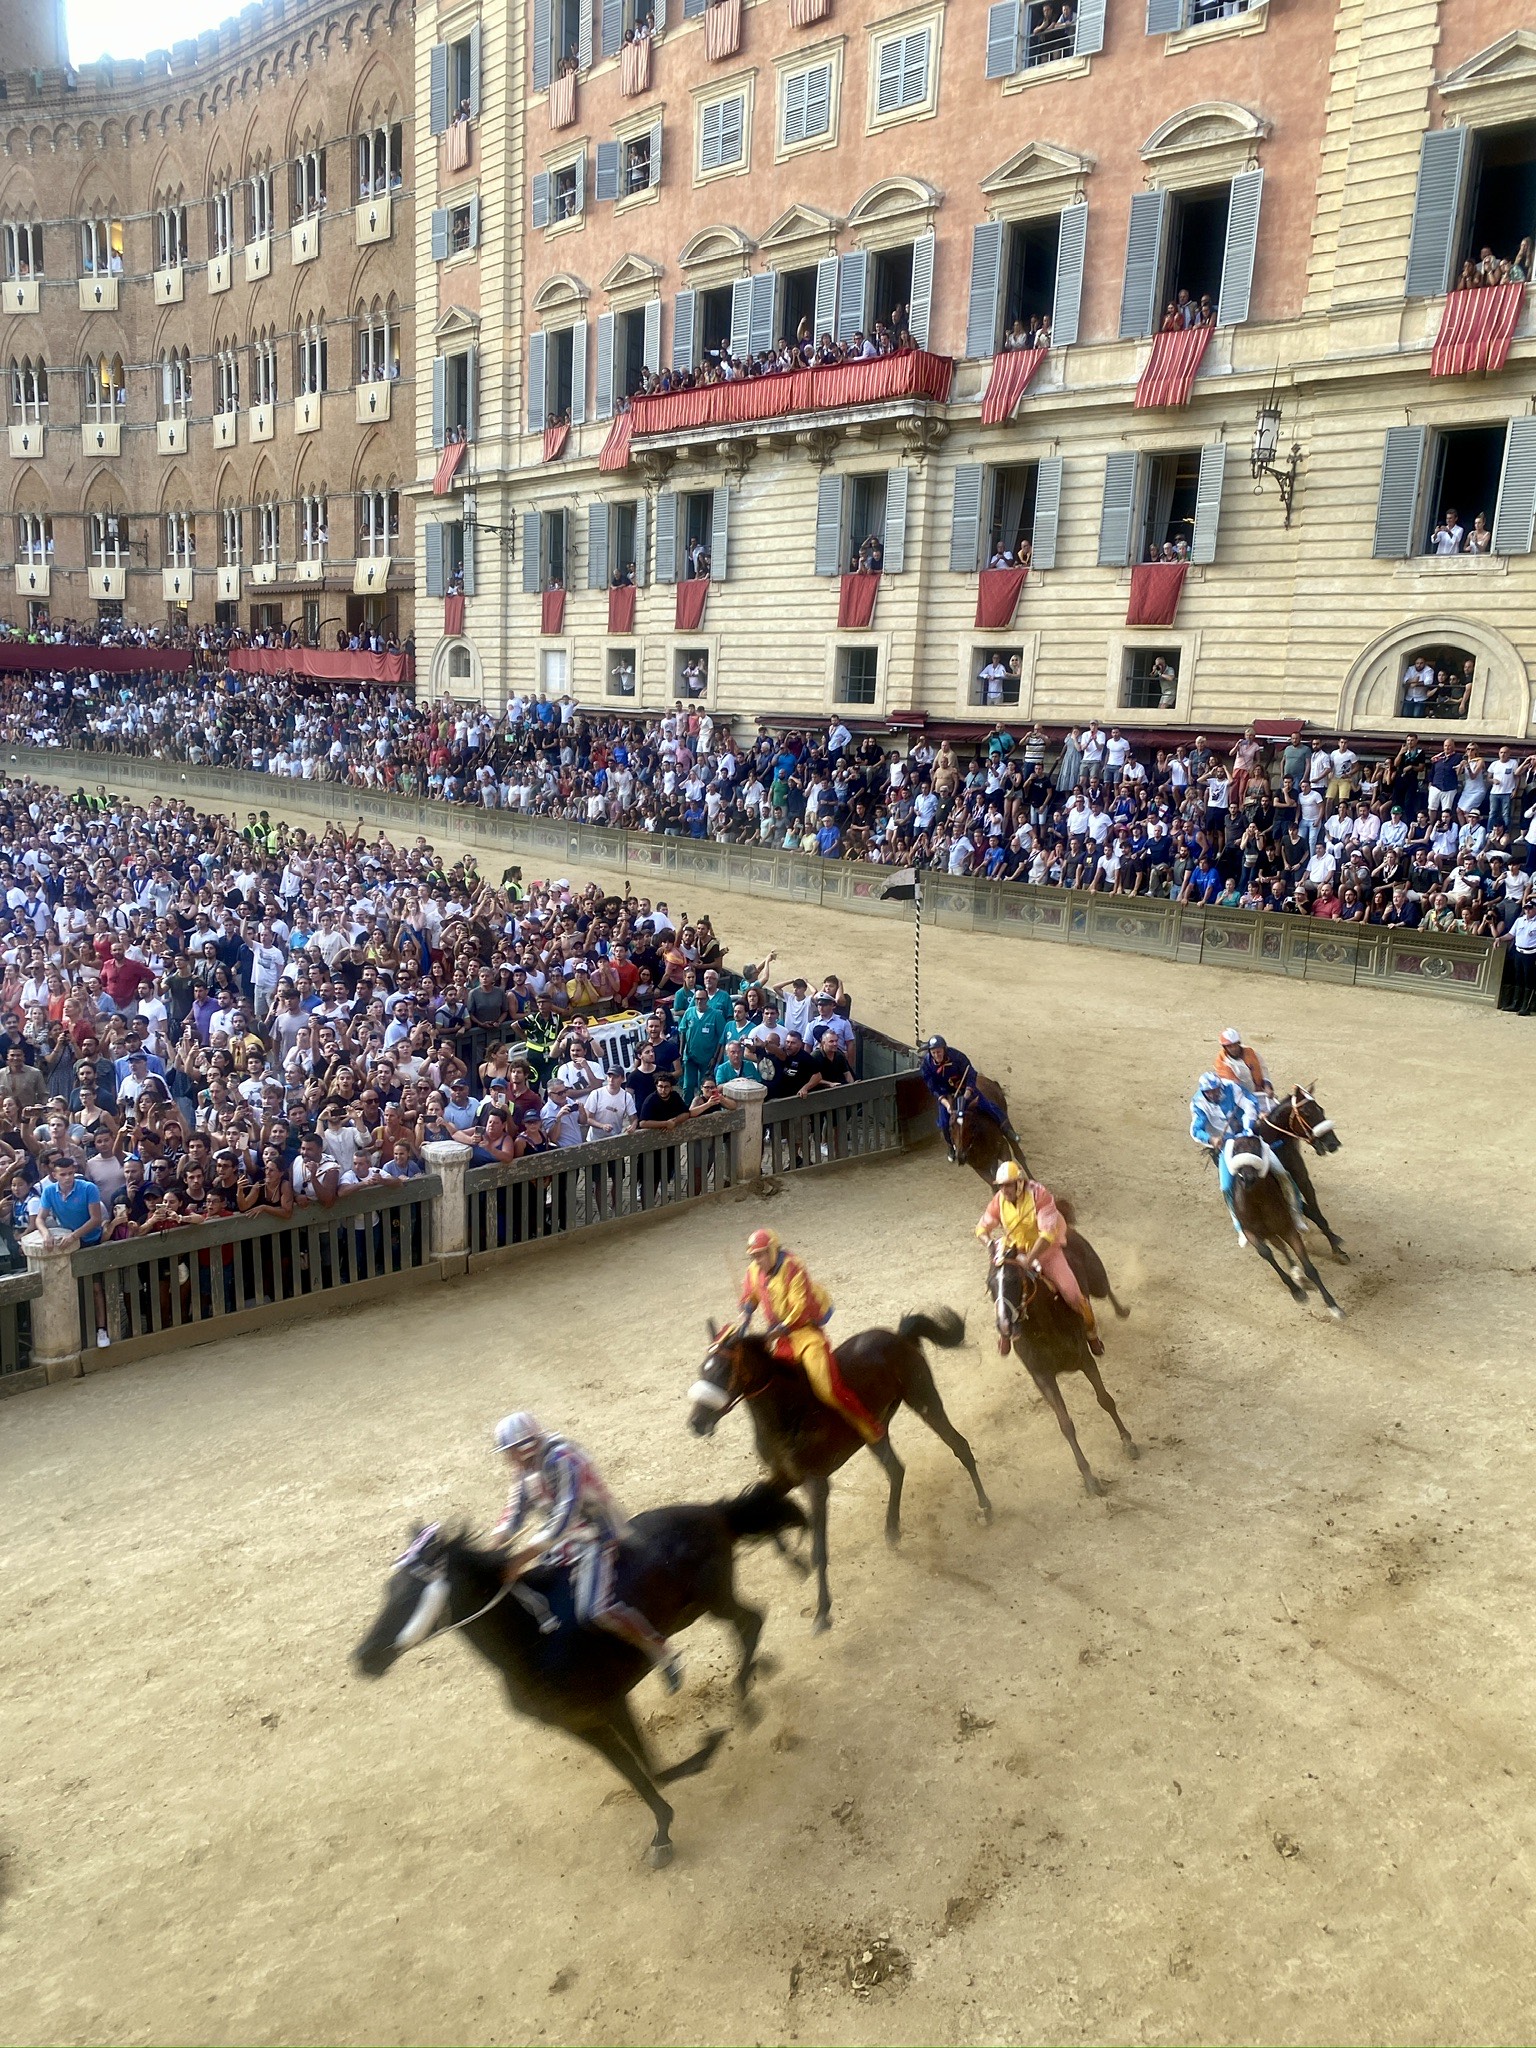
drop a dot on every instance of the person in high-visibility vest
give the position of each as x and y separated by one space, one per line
797 1311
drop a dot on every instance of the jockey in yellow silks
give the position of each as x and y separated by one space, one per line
796 1310
1023 1221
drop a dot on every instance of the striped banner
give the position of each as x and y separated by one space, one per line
1169 375
1476 330
1012 374
722 29
635 67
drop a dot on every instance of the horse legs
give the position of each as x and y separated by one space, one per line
1046 1383
1311 1208
818 1490
1315 1277
748 1624
1264 1252
1106 1401
612 1740
884 1454
932 1412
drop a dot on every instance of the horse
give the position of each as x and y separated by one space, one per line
1295 1120
1266 1218
802 1442
1052 1338
675 1565
974 1138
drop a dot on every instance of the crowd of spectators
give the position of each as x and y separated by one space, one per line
802 352
1485 268
207 641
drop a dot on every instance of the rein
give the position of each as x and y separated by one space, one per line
494 1601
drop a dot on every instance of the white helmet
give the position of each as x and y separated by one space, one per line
514 1431
1008 1173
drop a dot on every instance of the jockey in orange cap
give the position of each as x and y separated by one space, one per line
1023 1222
1241 1065
796 1310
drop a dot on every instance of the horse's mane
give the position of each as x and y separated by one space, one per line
463 1548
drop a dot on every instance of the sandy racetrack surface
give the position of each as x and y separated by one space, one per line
1243 1750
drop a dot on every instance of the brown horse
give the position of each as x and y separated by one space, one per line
976 1140
1264 1213
802 1442
1052 1339
1296 1120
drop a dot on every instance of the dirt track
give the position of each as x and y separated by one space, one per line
1243 1750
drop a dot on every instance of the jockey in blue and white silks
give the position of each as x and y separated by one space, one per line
950 1077
1220 1110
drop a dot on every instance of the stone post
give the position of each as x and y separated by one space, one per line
56 1311
749 1097
450 1212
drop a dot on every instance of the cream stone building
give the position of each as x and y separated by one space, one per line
1318 171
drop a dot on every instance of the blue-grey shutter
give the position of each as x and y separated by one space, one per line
603 409
1164 16
897 482
888 89
684 309
720 534
1242 241
653 334
920 302
581 183
606 185
655 177
1143 263
1047 512
543 44
1071 246
474 69
765 296
439 401
1115 512
471 392
986 288
829 524
613 27
709 139
666 536
439 234
693 8
538 382
1436 212
1397 501
642 540
1003 39
533 553
1213 468
579 374
826 296
474 220
741 316
965 518
597 546
731 112
541 199
437 582
467 578
583 38
659 12
1514 515
852 291
1090 29
816 112
438 101
794 107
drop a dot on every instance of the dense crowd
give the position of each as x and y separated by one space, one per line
208 641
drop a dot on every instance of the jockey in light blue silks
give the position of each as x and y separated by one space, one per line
949 1076
1220 1110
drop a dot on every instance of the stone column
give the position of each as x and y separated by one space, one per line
56 1311
749 1097
450 1212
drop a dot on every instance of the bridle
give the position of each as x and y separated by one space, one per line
1294 1124
426 1621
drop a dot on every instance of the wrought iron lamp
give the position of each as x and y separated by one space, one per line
1264 456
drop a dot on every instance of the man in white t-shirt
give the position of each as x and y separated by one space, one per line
1503 773
609 1111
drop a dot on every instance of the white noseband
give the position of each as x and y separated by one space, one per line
429 1612
703 1395
1321 1130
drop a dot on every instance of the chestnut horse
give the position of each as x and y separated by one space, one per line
1296 1120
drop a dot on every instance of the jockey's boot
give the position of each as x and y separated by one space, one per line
1091 1327
1014 1139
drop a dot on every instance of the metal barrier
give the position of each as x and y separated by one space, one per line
212 1279
18 1291
553 1195
832 1125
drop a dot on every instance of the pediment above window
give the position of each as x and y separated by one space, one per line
562 293
800 235
632 273
457 320
1204 144
896 210
1040 178
1498 84
716 255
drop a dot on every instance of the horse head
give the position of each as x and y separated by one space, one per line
726 1377
1245 1157
962 1119
416 1601
1314 1125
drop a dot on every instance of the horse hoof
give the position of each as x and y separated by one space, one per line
659 1855
986 1514
892 1536
1340 1254
1092 1486
1133 1450
821 1624
749 1710
1337 1313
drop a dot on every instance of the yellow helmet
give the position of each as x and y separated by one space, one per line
1008 1173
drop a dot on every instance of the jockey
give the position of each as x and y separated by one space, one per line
1220 1110
577 1524
796 1311
950 1076
1241 1065
1023 1223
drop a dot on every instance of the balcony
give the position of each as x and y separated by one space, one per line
170 437
176 584
34 579
370 575
171 285
258 259
226 429
100 439
21 295
229 584
221 273
261 423
372 401
304 242
375 220
108 585
27 440
307 413
98 294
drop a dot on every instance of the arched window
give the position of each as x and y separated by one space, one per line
380 160
34 538
269 531
259 208
309 182
231 536
226 379
460 663
23 249
378 522
314 527
378 345
29 389
109 540
312 357
170 236
106 388
221 220
176 384
180 540
264 369
101 247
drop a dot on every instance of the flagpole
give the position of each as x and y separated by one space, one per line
907 884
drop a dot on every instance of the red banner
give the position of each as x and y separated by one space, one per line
340 667
1169 375
722 29
635 67
803 12
615 453
562 100
552 612
555 439
1476 330
912 375
1012 374
453 615
447 463
856 600
690 603
1155 588
18 657
621 609
997 596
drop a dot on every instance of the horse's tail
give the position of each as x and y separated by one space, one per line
1068 1210
940 1326
761 1511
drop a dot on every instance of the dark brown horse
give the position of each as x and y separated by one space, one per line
975 1138
802 1442
1052 1339
1296 1120
1262 1206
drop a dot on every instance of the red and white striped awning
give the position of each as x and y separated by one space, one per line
1169 375
1476 330
1013 372
722 29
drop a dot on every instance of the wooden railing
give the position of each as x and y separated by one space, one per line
831 1125
18 1291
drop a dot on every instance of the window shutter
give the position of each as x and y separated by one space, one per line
684 310
468 575
579 374
603 410
965 519
826 296
606 181
437 582
613 27
538 382
543 43
1436 212
474 220
1242 240
1213 467
1047 512
1070 248
439 91
597 545
666 536
720 534
897 482
439 234
653 334
730 131
642 540
1143 263
852 290
655 178
1003 39
794 106
471 392
1397 502
1514 515
533 535
541 199
986 288
709 139
921 303
439 401
741 315
818 101
474 69
760 318
914 67
659 11
584 27
1090 29
692 9
888 90
581 183
1115 512
1164 17
829 524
